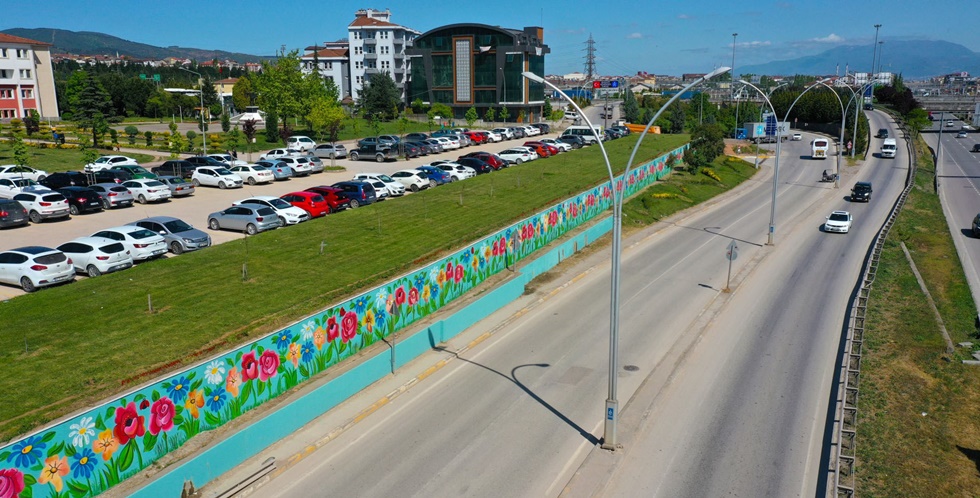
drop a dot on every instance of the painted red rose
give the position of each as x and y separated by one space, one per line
400 296
11 483
250 367
459 273
553 218
161 416
449 268
413 296
333 329
348 326
268 365
129 424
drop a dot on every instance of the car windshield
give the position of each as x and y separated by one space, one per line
119 189
279 204
154 183
141 234
385 178
24 182
177 226
838 217
222 171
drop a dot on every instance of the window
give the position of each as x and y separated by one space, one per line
6 93
22 53
358 65
8 113
358 50
3 53
385 49
360 80
385 65
6 73
329 65
463 70
26 93
357 35
25 74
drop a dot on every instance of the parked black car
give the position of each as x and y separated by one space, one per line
112 176
479 165
13 214
357 192
81 200
175 167
54 181
544 127
574 140
205 161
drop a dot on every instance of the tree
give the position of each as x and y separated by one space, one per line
707 143
22 156
191 135
520 116
504 114
631 110
32 123
380 97
272 127
418 107
131 132
89 153
677 119
280 87
546 110
326 118
225 122
917 120
90 105
489 116
177 145
556 115
440 111
243 93
212 103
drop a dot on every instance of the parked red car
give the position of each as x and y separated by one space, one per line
493 160
543 149
331 195
311 202
477 138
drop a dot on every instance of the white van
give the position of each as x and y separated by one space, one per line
888 148
589 135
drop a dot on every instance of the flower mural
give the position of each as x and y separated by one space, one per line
88 454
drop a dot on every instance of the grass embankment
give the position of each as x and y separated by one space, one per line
64 348
917 431
54 159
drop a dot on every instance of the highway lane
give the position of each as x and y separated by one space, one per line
754 393
959 180
518 414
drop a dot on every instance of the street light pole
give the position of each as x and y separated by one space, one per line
200 84
874 58
611 413
732 89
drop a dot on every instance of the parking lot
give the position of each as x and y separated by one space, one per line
194 209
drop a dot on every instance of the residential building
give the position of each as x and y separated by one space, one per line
377 45
26 79
333 63
477 65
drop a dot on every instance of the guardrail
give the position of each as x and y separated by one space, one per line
845 424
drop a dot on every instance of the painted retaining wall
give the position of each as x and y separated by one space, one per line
95 450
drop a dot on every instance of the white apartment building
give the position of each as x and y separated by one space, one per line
26 79
377 45
333 63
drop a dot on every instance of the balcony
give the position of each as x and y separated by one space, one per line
370 55
372 70
370 41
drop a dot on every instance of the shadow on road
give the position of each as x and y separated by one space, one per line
513 378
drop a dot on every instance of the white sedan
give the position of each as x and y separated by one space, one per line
447 143
253 174
302 166
96 255
838 221
515 155
215 177
109 162
146 190
411 179
288 214
15 171
11 187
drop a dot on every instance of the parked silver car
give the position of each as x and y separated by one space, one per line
330 151
180 236
248 219
279 169
113 195
179 187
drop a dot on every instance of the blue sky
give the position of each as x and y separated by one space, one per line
639 35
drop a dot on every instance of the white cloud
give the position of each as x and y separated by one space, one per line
684 16
752 44
831 38
634 36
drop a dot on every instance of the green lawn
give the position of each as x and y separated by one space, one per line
55 159
917 431
67 347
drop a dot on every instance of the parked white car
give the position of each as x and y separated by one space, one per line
227 159
288 214
279 153
448 143
395 189
516 155
146 190
562 146
109 162
533 152
411 179
301 143
9 187
301 165
215 177
530 131
494 136
456 170
34 267
506 133
43 205
94 256
142 244
253 174
15 171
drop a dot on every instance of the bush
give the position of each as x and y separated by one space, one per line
131 131
149 138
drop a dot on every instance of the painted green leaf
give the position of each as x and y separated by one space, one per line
28 492
305 372
139 397
4 455
109 412
212 419
48 437
78 488
165 385
125 458
196 385
56 448
149 441
178 419
246 392
261 388
70 450
29 480
191 375
155 396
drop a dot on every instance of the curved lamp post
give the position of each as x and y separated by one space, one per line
843 121
854 96
611 415
204 132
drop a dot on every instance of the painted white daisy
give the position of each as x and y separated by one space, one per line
82 432
215 372
308 329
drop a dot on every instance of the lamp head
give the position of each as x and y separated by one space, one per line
716 72
533 77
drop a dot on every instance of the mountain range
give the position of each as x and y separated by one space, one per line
912 59
92 43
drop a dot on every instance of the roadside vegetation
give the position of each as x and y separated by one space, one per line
917 431
67 347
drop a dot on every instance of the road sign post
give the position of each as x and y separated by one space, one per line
730 254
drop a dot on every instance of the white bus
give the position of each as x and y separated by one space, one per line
818 148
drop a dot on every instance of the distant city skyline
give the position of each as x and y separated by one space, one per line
665 38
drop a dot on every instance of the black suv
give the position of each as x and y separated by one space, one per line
861 192
175 167
206 161
54 181
81 199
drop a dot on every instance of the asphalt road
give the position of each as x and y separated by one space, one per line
194 209
742 380
959 180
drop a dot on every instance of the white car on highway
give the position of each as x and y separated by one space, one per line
15 171
838 221
109 162
215 177
253 174
288 214
146 190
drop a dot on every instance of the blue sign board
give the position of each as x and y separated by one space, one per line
609 413
771 125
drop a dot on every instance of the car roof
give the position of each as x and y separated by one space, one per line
35 250
92 240
124 228
158 219
863 184
840 212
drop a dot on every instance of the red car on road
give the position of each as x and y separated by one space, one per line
335 201
311 202
550 150
493 160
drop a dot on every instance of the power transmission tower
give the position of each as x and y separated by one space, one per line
590 59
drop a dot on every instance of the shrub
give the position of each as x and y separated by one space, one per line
149 138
